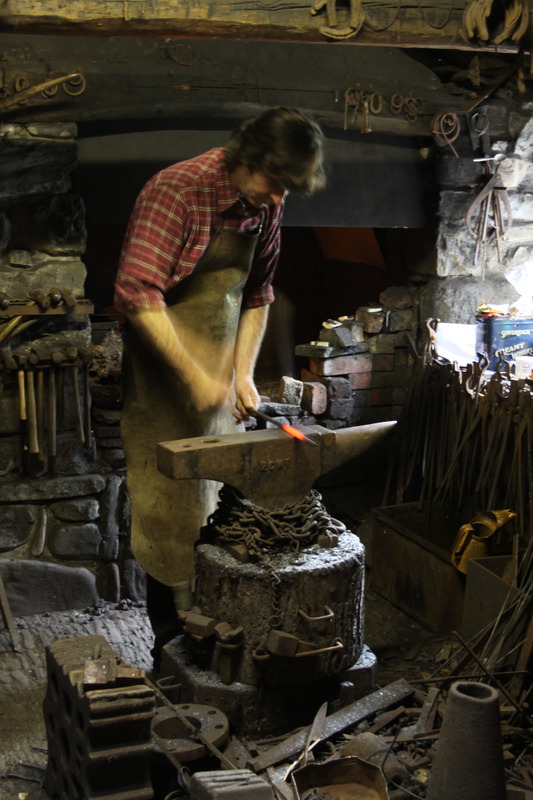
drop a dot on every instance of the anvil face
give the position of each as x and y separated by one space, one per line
268 467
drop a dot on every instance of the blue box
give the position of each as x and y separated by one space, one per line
504 337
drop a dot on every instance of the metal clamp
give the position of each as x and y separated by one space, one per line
331 649
330 614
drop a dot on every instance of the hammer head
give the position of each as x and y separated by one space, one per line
267 467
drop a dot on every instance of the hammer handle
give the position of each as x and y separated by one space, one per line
33 443
77 404
52 413
40 413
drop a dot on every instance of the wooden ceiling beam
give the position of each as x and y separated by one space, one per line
432 24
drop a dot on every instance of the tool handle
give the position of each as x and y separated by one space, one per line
33 443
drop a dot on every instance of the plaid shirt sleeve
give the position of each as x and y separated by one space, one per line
152 249
258 290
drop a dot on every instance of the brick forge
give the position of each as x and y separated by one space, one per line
360 366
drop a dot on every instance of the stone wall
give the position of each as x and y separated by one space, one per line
452 288
364 373
63 503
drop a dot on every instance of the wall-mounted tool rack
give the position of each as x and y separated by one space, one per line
24 308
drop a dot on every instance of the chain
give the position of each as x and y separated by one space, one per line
266 533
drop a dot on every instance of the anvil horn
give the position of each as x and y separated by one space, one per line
267 467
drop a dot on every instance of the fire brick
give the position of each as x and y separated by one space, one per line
381 379
342 365
362 380
384 362
381 397
381 343
314 397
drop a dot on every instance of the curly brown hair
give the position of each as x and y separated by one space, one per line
285 145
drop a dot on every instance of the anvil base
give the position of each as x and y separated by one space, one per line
265 710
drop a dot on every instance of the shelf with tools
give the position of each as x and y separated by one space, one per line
43 304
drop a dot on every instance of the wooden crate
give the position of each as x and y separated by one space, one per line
412 568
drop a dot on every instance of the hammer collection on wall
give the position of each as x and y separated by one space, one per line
52 382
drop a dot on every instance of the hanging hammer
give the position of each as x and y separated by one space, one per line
266 466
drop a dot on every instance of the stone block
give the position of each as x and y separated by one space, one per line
10 455
340 408
355 328
84 509
397 297
456 300
314 397
9 414
371 318
400 319
22 271
25 489
109 513
338 387
340 336
77 541
16 525
290 391
521 207
34 166
54 587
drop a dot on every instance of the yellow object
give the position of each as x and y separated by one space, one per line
471 540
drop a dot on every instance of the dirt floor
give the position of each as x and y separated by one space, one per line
402 647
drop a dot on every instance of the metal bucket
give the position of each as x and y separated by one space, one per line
348 778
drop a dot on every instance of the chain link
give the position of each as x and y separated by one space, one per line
266 533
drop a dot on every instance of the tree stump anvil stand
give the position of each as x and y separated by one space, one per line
268 640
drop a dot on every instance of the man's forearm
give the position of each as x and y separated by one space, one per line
252 326
159 334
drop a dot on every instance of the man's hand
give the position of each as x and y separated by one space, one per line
247 397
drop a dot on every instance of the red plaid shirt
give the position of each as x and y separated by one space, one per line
171 225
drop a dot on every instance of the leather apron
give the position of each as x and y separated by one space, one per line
166 515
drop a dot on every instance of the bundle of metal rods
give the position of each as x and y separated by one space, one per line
466 440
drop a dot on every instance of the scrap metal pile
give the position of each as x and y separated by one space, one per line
113 734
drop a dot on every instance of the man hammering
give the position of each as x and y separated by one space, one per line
195 284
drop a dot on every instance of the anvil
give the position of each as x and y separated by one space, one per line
267 467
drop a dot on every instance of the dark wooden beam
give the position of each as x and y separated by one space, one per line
181 81
391 23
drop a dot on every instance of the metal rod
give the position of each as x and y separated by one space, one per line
255 413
